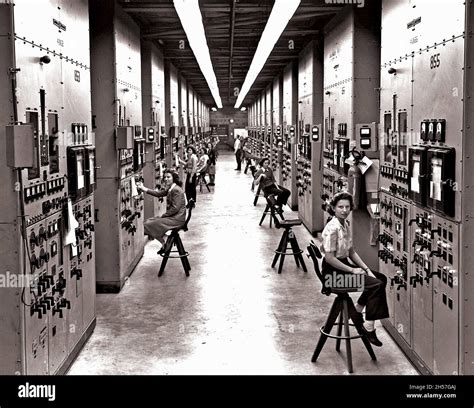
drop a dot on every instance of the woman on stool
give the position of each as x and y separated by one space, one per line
342 259
191 168
175 215
265 177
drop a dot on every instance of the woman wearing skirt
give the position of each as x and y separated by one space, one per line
175 215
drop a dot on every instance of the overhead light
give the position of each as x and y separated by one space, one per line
191 19
243 108
281 14
214 109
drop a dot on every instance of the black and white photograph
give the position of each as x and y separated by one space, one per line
237 188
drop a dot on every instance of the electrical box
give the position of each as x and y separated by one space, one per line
440 134
335 157
76 162
174 132
90 174
342 129
138 155
150 134
20 146
343 155
431 130
441 167
138 132
417 174
424 130
366 137
124 137
315 133
292 134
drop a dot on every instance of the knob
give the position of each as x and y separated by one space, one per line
76 272
58 310
34 240
35 309
65 303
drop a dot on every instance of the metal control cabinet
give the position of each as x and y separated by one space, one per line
47 304
351 94
153 102
426 180
309 152
117 103
277 120
172 97
290 115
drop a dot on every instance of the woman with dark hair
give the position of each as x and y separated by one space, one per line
190 167
340 258
266 179
175 215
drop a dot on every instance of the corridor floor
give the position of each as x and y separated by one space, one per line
234 314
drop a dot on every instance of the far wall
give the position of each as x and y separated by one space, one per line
222 118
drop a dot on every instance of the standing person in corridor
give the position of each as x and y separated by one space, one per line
238 152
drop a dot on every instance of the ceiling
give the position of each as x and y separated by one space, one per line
233 29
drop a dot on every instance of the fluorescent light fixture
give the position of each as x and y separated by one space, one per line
243 108
214 109
281 14
191 19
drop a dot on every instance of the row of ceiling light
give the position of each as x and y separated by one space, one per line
191 19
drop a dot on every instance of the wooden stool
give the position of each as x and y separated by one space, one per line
342 307
258 194
288 236
201 180
175 240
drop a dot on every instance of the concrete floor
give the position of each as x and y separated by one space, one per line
234 314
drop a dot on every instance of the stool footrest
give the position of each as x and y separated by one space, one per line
340 337
288 253
174 257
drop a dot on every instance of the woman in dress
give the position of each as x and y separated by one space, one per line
175 215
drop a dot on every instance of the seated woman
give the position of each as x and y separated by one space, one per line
203 162
175 215
190 168
266 179
342 259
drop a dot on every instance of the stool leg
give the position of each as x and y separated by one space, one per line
279 249
181 251
347 334
299 256
284 246
335 310
169 243
357 323
339 331
263 215
255 200
294 247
